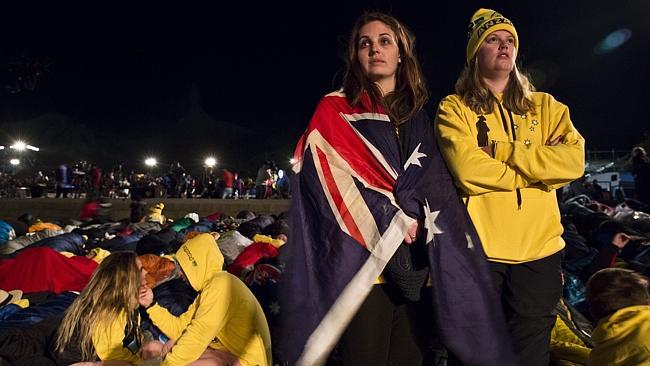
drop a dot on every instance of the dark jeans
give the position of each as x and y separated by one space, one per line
529 293
385 332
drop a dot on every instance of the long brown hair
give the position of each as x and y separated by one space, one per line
410 92
112 290
517 95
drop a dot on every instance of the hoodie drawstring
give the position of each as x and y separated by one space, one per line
514 138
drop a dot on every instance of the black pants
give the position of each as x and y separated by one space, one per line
260 191
385 332
529 293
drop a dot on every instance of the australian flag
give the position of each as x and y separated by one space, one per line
359 185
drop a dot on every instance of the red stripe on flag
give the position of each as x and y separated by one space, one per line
348 220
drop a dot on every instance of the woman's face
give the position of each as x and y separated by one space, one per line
377 51
497 54
143 272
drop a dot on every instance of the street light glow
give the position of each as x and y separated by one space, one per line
14 162
210 162
33 148
19 145
150 162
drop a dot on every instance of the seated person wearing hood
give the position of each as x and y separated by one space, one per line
156 214
619 301
225 325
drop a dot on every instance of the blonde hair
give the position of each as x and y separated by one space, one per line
410 92
517 95
113 288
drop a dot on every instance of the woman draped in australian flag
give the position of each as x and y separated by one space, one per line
383 260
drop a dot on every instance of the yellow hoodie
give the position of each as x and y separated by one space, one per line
511 196
224 316
108 341
623 338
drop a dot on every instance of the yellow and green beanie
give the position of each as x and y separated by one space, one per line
482 23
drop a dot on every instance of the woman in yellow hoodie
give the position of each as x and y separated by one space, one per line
103 322
508 148
225 325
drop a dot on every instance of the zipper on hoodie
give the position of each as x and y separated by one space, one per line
514 138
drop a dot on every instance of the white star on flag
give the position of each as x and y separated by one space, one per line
415 157
274 307
430 222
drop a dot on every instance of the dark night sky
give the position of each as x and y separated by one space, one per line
127 69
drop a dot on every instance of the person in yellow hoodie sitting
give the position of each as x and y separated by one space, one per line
509 148
619 301
225 325
156 214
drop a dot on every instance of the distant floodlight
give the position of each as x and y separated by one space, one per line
210 162
2 147
150 162
19 146
613 41
14 162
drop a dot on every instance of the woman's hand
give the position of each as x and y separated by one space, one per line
556 141
151 349
412 233
489 149
146 296
620 240
168 347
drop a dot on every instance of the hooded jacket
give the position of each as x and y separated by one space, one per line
156 214
225 315
511 196
622 338
110 341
